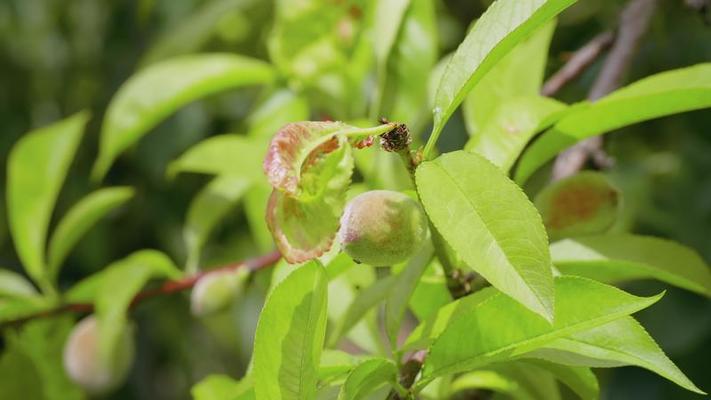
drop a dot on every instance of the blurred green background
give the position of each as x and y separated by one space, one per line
61 56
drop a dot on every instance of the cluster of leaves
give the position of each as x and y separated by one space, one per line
550 313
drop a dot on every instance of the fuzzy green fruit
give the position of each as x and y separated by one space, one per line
382 227
83 363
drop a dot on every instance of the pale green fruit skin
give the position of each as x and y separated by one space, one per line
382 227
83 363
215 291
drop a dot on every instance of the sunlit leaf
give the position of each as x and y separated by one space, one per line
154 93
80 219
617 343
279 109
583 204
504 24
233 155
13 284
491 225
509 127
500 329
222 387
518 74
659 95
36 169
290 335
624 257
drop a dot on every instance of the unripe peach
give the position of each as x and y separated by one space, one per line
382 227
216 290
83 362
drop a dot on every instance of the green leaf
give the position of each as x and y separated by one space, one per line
617 343
304 227
583 204
36 169
518 74
290 335
222 155
489 380
255 208
157 91
404 73
401 291
298 145
500 28
580 380
119 283
500 329
79 220
491 225
206 210
14 285
388 18
659 95
431 292
222 387
532 381
279 109
20 307
368 377
509 127
368 298
624 257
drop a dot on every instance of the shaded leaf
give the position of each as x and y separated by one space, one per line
36 169
504 24
206 210
290 335
368 377
617 343
222 387
279 109
500 329
159 90
624 257
580 380
659 95
583 204
80 219
491 225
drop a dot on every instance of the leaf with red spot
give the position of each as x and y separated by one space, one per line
298 144
303 227
583 204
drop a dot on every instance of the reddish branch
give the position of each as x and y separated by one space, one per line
633 24
166 288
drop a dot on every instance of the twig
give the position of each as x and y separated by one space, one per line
578 63
168 287
408 372
633 24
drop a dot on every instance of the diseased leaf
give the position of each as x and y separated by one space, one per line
116 286
14 285
659 95
303 228
491 225
624 257
583 204
500 329
368 377
233 155
207 208
620 342
504 24
290 335
401 291
79 220
518 74
159 90
297 145
36 169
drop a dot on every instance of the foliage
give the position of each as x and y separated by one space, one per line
513 289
